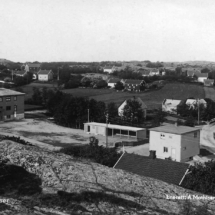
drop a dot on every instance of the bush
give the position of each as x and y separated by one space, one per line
94 152
16 139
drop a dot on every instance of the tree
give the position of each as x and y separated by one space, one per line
85 81
112 110
101 84
119 85
37 96
159 117
205 70
133 111
73 83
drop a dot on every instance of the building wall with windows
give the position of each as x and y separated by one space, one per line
178 147
11 107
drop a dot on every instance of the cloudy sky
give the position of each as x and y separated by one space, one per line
101 30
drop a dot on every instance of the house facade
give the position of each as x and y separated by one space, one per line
179 143
133 85
45 75
202 77
143 106
154 72
11 105
209 82
111 82
109 69
32 67
170 105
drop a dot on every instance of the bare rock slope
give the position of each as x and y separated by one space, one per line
54 183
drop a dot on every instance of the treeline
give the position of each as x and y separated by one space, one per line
72 111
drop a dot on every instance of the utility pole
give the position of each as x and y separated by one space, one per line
107 130
198 111
12 75
88 111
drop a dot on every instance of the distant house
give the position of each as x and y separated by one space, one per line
143 105
132 133
209 82
165 170
170 105
109 69
180 143
202 77
154 71
21 73
133 85
191 71
45 75
111 82
32 67
192 103
143 72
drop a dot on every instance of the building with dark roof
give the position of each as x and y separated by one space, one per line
11 105
45 75
208 82
165 170
133 85
111 82
179 143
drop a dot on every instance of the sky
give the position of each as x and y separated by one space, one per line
107 30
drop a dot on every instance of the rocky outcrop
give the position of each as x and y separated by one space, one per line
47 182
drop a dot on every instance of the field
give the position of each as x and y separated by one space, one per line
153 99
209 93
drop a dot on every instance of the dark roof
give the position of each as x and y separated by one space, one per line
143 71
113 80
20 72
202 75
165 170
7 92
131 81
44 72
108 67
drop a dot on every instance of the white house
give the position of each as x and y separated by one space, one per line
111 82
45 75
143 105
193 102
180 143
109 69
154 72
202 77
170 105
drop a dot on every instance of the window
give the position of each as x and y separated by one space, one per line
8 107
15 98
165 149
162 136
195 134
15 107
8 116
1 99
8 98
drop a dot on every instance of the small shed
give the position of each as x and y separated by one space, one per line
133 133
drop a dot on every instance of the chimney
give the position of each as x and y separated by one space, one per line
152 154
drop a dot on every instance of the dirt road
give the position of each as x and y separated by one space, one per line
209 93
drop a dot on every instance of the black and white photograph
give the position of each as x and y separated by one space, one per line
107 107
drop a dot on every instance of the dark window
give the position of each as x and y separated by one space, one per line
8 116
165 149
8 98
8 107
15 98
15 107
195 134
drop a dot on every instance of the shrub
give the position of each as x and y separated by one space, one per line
16 139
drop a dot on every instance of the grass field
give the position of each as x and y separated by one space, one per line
153 99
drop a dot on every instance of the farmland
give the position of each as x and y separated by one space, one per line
153 99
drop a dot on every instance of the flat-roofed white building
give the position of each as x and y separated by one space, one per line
180 143
170 105
133 133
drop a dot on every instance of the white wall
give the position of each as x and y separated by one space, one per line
171 141
42 77
201 79
111 85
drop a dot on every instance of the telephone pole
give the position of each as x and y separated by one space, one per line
107 130
198 111
88 111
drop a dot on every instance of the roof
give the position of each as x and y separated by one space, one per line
115 126
165 170
108 67
131 81
113 80
7 92
193 72
202 75
44 72
143 71
208 81
172 102
175 129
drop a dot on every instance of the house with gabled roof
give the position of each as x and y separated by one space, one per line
170 105
178 143
123 104
112 82
45 75
154 71
143 72
133 85
149 166
21 73
201 77
109 69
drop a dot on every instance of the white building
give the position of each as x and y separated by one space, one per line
180 143
109 69
122 106
112 82
202 77
170 105
194 102
45 75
